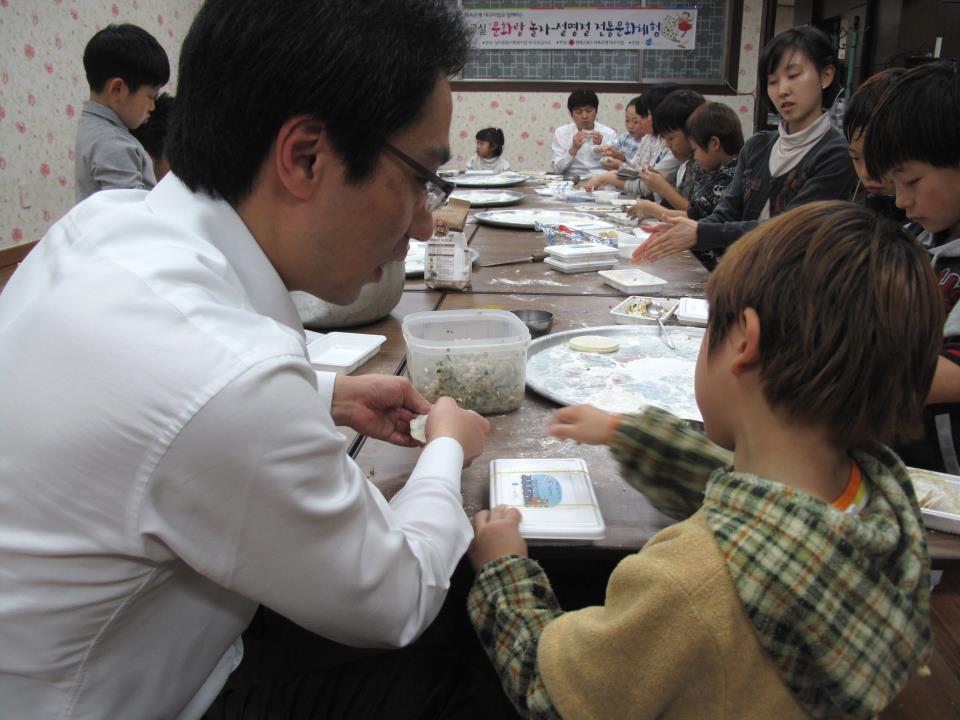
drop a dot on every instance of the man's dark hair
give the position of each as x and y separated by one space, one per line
715 120
916 120
649 101
810 41
127 52
860 108
153 133
247 66
673 112
582 98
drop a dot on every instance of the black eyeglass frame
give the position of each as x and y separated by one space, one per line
438 189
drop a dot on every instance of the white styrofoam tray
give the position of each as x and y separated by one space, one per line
623 316
693 311
938 515
579 267
555 496
631 281
341 352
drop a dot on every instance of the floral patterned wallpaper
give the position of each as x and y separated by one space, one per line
42 89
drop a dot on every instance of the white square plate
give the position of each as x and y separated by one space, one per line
341 352
631 282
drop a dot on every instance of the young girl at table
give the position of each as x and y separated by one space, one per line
913 138
798 585
803 161
627 144
489 152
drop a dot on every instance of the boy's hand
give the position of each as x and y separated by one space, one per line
654 181
496 534
674 235
597 181
585 424
645 209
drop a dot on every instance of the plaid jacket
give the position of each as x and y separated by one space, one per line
839 602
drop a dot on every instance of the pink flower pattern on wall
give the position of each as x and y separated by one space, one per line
42 88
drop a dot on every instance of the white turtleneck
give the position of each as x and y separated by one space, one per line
791 148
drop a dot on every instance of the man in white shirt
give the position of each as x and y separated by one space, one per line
576 145
168 458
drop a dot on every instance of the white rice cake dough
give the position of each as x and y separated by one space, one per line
418 428
594 343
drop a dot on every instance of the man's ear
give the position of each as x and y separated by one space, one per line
303 154
747 342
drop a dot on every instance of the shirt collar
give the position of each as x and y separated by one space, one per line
92 107
216 222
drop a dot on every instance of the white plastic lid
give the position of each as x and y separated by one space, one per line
693 310
581 252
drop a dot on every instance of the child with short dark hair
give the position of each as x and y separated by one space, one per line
799 587
669 122
651 153
913 138
875 194
125 68
153 134
489 152
576 145
626 144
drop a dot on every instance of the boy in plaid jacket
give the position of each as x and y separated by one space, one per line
798 584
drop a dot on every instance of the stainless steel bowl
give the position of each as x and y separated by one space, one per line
538 322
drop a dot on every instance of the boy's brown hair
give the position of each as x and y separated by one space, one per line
716 120
850 318
866 100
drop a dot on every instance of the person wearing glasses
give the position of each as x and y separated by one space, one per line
171 461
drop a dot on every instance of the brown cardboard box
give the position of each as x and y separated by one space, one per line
454 213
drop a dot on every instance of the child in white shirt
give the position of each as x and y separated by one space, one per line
489 151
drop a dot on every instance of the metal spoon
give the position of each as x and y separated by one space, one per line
655 310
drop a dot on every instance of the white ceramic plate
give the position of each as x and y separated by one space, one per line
507 179
488 198
525 218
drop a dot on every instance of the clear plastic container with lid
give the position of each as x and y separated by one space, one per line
477 357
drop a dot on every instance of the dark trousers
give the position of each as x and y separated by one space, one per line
288 672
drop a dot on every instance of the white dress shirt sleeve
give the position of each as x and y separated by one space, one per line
560 147
257 493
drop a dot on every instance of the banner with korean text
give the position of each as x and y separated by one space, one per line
639 28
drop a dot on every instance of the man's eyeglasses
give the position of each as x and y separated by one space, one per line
438 189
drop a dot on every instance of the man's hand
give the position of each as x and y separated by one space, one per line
379 406
447 419
674 235
585 424
496 534
596 136
579 138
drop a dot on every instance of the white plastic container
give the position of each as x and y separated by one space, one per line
584 252
693 311
340 352
555 497
631 310
631 282
579 267
477 357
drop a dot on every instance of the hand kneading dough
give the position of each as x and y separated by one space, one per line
418 428
594 343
